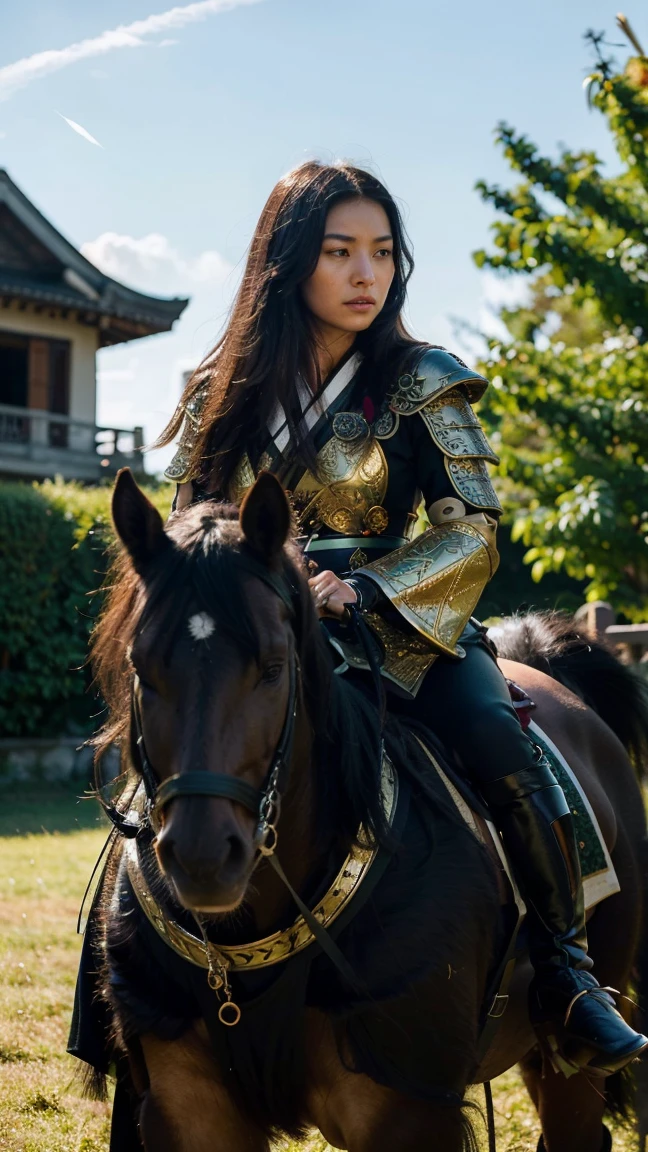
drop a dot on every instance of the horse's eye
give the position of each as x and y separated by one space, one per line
271 673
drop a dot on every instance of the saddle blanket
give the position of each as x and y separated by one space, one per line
599 877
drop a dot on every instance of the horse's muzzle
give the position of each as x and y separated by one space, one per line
210 866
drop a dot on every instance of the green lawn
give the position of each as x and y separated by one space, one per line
48 845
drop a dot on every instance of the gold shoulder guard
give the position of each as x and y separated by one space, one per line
436 580
179 468
455 429
436 373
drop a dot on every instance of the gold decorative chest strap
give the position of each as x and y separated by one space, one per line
280 945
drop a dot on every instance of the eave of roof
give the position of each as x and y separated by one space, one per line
109 297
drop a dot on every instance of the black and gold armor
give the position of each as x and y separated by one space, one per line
357 509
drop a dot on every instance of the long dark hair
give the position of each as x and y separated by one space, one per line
268 340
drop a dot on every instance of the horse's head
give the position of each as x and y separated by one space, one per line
212 646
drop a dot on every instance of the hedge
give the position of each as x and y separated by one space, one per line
53 557
53 542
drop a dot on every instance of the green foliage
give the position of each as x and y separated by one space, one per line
571 429
53 541
594 244
568 406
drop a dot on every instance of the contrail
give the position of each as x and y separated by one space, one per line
23 72
81 130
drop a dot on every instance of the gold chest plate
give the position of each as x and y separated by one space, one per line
348 492
346 495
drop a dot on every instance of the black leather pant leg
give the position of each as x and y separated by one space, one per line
466 703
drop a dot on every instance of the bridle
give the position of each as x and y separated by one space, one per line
264 802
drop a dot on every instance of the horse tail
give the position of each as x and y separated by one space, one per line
553 643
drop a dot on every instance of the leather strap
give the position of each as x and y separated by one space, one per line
248 562
207 784
498 989
325 941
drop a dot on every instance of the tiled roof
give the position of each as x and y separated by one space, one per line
96 294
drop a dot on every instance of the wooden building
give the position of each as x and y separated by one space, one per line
56 311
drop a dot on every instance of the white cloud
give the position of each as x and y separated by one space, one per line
22 72
151 264
140 382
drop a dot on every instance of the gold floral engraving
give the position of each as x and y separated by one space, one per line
408 656
377 518
357 559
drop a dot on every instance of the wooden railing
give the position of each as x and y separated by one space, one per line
598 618
33 435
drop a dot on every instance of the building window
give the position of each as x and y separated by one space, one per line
14 358
14 376
34 373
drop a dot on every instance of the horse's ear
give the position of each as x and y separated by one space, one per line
137 523
265 516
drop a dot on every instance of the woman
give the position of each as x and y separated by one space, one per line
317 380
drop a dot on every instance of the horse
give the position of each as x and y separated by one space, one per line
231 1022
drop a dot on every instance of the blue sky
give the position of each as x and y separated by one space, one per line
197 118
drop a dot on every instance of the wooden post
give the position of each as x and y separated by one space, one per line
595 618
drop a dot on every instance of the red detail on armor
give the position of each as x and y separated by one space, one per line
368 409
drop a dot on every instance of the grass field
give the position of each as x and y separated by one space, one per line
48 845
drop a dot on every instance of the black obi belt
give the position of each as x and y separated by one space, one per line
347 553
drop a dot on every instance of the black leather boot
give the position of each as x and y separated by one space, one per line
533 817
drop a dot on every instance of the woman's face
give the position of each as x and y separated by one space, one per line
355 269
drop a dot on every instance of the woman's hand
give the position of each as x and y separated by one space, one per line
330 594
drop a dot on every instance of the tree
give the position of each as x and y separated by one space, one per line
570 396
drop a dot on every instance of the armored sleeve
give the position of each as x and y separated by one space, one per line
436 580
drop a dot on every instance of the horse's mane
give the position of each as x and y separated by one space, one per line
201 570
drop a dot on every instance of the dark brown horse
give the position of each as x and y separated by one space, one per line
208 638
